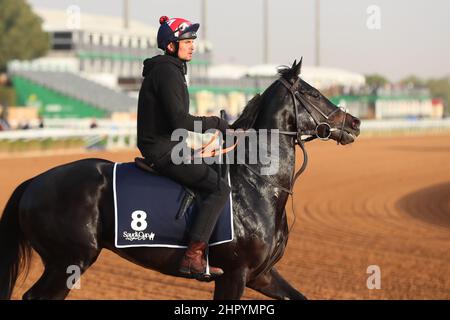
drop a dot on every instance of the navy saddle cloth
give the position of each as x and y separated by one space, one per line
146 205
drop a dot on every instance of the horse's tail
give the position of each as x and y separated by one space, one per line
15 251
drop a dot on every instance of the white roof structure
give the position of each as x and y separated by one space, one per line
227 71
263 70
67 64
75 19
319 77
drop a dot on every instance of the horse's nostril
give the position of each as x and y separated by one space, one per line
356 123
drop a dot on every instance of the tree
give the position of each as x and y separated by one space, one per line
21 34
440 88
413 81
376 80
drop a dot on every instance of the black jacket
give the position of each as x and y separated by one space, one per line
164 106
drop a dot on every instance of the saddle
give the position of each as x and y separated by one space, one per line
189 197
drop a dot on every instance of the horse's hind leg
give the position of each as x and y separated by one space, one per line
57 280
273 285
230 286
51 285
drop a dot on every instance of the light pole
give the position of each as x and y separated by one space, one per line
317 33
204 14
125 14
266 32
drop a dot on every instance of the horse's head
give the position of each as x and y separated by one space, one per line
314 114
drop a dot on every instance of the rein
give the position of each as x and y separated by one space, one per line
301 144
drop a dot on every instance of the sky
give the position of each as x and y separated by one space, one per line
396 38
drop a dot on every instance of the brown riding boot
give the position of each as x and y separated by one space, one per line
193 263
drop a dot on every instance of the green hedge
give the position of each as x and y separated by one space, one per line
22 145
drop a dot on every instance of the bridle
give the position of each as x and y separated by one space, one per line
310 108
296 98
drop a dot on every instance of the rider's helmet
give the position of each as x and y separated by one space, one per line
172 30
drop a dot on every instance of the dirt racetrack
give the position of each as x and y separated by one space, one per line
381 201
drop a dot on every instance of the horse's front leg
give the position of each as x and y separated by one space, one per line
230 285
273 285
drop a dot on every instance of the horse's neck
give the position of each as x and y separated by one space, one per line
276 117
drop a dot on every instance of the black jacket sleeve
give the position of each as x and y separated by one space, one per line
175 100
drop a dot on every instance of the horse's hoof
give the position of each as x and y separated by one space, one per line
302 297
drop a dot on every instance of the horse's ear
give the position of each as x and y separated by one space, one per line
297 67
293 65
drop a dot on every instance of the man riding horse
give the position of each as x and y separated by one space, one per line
164 107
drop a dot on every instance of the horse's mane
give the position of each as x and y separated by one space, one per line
248 117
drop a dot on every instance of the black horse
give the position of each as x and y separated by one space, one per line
67 213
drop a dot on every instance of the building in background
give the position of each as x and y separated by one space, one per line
93 68
95 63
101 45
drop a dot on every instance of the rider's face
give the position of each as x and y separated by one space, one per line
186 48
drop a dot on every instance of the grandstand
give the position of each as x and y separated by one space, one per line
67 95
101 44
